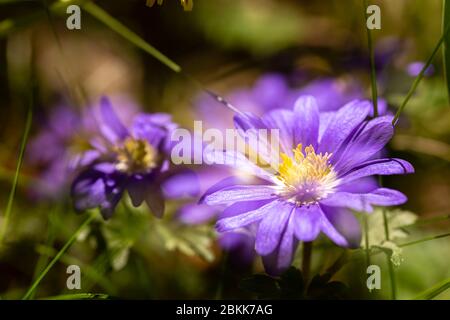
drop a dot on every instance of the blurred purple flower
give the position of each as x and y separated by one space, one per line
325 171
331 94
60 144
413 69
135 160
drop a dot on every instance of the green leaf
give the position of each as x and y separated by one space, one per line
445 47
434 291
191 241
396 219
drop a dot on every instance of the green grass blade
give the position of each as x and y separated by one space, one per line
424 240
79 296
420 76
126 33
445 47
89 271
16 175
425 221
434 290
10 25
58 256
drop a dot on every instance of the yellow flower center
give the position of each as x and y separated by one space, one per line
307 177
136 156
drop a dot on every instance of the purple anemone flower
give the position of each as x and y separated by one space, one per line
64 136
269 92
323 171
135 160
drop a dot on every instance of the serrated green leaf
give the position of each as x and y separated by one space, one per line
397 218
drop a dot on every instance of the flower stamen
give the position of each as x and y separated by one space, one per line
307 177
136 156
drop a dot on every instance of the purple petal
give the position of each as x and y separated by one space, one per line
196 213
137 190
366 143
345 223
388 166
307 222
155 128
271 228
248 121
282 120
325 119
86 158
239 162
257 135
362 185
331 232
155 200
222 184
93 189
88 193
343 122
307 121
111 126
239 193
281 258
105 167
364 201
183 184
247 218
242 207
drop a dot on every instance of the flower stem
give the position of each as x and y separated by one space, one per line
373 77
58 256
389 262
306 261
420 76
366 240
392 276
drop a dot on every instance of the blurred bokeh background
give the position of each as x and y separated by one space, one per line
316 47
